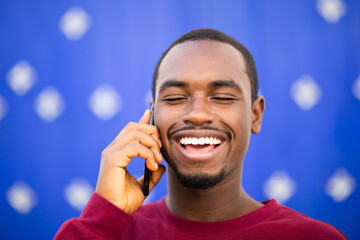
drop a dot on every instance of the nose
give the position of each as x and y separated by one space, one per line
199 112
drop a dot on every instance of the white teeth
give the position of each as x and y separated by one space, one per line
199 141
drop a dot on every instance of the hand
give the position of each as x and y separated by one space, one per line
114 182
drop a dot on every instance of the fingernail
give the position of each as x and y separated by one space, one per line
160 143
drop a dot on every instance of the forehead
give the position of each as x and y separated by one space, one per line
203 60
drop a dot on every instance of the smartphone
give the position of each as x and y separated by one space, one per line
147 172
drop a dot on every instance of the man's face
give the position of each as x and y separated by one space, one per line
203 111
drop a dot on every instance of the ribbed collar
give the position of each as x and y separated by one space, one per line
259 215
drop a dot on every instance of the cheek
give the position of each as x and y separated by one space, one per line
241 125
160 123
241 120
163 121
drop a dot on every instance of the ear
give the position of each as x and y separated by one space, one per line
258 108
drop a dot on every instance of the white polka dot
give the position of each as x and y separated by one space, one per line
331 10
21 197
105 102
340 185
21 77
49 104
3 107
305 92
356 88
75 23
78 193
280 186
147 99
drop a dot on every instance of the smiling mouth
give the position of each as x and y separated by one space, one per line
202 144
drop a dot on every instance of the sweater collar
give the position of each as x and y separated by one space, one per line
259 215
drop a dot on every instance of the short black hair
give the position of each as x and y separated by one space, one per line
216 35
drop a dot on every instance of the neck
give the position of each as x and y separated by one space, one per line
226 200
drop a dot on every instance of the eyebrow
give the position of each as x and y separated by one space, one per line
173 83
225 83
215 84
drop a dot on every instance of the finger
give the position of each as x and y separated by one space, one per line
145 119
138 136
146 128
122 157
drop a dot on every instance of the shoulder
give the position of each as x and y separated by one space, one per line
148 209
146 221
300 224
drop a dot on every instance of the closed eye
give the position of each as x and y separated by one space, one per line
175 100
223 99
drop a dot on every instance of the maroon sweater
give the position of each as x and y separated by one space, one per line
101 219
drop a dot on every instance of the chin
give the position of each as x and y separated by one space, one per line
198 180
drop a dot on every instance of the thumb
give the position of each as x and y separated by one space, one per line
156 176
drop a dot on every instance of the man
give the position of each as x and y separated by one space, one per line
206 106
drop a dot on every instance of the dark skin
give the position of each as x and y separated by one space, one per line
201 84
209 88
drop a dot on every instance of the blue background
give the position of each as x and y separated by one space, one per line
121 47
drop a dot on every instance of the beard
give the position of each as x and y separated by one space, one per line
196 180
199 181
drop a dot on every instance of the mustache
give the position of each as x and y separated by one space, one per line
225 131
